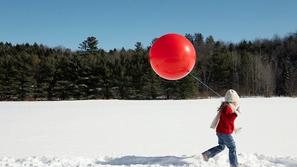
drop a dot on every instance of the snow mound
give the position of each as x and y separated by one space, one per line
245 160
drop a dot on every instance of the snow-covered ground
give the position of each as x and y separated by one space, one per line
143 133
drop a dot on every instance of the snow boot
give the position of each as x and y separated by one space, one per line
205 157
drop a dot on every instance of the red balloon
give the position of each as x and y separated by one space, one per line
172 56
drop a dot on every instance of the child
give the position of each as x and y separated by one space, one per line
224 125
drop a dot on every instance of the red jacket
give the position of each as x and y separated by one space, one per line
226 123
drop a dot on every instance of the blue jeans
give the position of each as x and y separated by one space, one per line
224 140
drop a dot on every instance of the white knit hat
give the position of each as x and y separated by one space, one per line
231 96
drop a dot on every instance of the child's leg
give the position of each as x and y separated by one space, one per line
229 142
215 150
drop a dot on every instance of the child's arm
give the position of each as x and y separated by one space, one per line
237 111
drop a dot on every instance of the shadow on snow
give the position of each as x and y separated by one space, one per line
139 160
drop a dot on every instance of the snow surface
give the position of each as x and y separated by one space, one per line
143 133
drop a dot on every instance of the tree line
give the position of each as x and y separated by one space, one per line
263 67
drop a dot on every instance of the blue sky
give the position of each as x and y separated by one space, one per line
122 23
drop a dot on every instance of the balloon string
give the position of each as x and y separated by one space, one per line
216 93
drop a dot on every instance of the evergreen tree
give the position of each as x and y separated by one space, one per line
90 45
222 70
8 79
187 88
45 78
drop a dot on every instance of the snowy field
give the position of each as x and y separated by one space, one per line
143 133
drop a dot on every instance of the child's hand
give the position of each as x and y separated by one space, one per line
237 130
238 109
